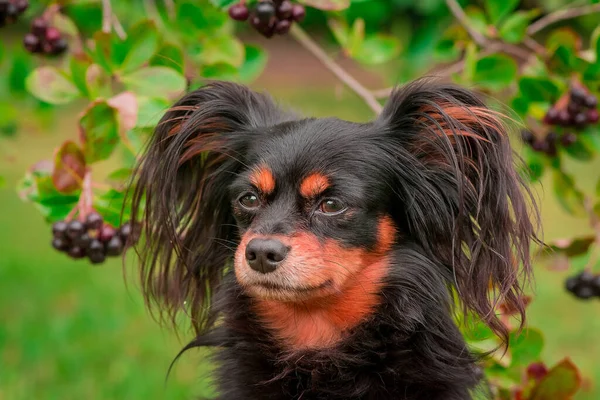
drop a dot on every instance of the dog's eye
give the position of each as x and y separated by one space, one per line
332 207
250 201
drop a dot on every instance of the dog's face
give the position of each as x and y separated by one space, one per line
312 205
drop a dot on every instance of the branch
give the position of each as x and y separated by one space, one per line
106 16
309 44
560 15
460 15
170 6
118 27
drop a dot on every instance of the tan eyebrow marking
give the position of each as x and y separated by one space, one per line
263 179
313 185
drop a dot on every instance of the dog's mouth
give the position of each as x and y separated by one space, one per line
297 289
274 291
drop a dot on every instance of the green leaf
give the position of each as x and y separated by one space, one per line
339 29
142 42
526 347
568 196
498 9
254 64
535 164
69 168
538 89
79 67
514 28
170 56
356 37
154 81
220 49
120 177
327 5
377 49
563 60
50 85
114 207
495 72
561 382
223 3
9 118
565 37
98 130
21 67
150 111
579 151
109 52
37 187
477 18
470 62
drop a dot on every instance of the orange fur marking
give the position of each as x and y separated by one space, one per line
263 179
346 286
313 185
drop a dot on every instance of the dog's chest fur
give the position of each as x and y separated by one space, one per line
415 354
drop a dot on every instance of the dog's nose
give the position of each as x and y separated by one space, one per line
264 255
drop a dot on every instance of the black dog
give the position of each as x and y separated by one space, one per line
321 256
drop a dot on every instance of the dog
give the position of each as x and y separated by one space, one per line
326 259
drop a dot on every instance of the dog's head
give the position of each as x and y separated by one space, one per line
302 209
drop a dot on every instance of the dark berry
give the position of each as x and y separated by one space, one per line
591 101
129 235
39 26
298 12
527 136
106 233
83 241
265 11
60 244
12 12
76 252
578 95
596 285
580 119
59 47
266 29
239 12
540 145
537 371
586 278
551 116
563 118
59 229
93 221
96 252
283 27
585 292
568 139
284 11
592 116
75 229
52 34
572 283
32 43
22 5
114 247
573 108
3 5
551 139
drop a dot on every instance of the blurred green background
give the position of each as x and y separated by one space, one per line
72 331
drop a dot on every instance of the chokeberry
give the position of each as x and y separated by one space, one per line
551 116
584 292
571 283
96 252
284 10
97 258
563 118
32 43
586 277
82 241
93 221
59 47
60 244
527 136
592 116
52 34
540 145
114 247
76 252
75 229
239 12
573 107
551 139
59 229
106 233
22 5
578 95
580 119
568 139
591 101
39 26
298 12
283 27
265 11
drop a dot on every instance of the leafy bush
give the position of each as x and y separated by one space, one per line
125 64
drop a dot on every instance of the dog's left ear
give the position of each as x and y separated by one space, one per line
465 203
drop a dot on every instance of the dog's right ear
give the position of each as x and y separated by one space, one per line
180 195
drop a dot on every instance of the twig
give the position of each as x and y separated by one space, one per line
170 6
106 16
309 44
560 15
460 15
118 27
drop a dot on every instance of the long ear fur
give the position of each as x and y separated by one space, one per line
181 197
466 204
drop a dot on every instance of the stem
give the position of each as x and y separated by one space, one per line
460 15
309 44
106 16
560 15
170 6
116 24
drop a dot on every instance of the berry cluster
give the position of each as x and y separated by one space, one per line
44 39
572 111
584 285
578 110
10 10
92 238
269 17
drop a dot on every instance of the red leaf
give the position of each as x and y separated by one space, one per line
69 167
537 371
561 382
126 105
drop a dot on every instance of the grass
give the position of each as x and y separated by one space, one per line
72 331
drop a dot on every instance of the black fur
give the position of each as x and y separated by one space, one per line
436 161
